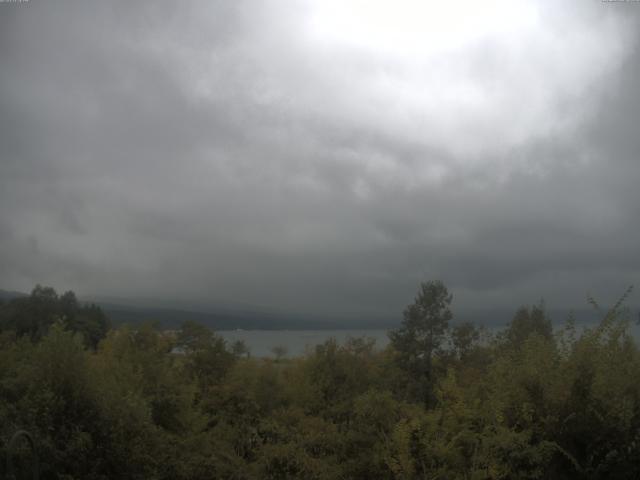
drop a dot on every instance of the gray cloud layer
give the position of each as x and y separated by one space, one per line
227 151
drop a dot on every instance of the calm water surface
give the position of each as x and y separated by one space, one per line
261 342
297 342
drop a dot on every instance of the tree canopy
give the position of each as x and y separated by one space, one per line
525 403
34 315
420 337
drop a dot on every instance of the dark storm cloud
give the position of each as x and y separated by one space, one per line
221 152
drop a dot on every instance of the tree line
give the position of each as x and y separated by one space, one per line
442 401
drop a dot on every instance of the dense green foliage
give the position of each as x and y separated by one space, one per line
139 403
34 315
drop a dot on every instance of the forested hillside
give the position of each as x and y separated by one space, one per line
443 401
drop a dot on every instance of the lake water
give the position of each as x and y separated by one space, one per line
296 342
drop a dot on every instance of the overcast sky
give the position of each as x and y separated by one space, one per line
321 156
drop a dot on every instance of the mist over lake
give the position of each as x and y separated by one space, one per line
297 342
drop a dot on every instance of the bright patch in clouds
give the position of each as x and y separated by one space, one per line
414 27
454 76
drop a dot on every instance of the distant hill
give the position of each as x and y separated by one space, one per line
136 311
225 319
231 320
8 294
